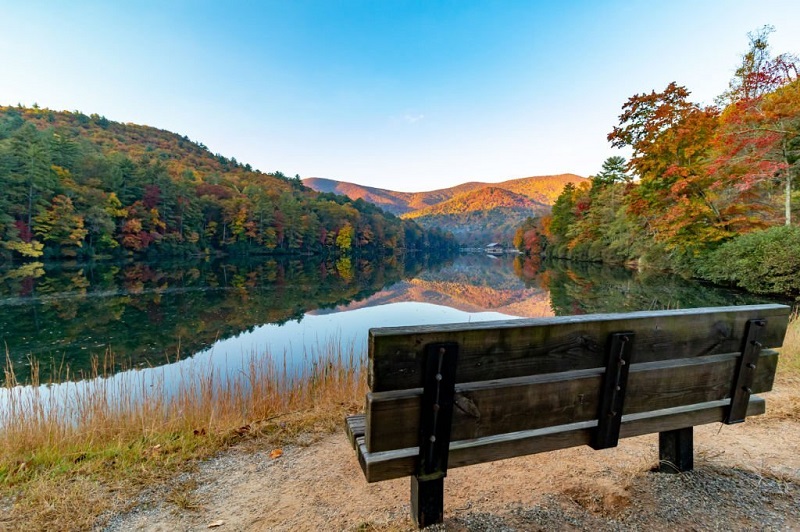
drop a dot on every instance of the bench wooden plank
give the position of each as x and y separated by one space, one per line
400 463
525 403
355 427
512 348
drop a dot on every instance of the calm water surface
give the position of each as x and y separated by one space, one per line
220 313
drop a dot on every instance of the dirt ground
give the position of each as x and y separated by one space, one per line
746 476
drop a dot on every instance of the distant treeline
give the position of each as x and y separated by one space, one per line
710 190
80 186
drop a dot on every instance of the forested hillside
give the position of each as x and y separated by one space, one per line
82 186
710 190
481 216
483 199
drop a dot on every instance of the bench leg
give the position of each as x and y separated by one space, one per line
427 501
675 450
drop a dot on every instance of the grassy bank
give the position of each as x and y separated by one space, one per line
68 457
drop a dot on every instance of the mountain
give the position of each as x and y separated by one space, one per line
543 189
482 199
472 211
485 215
389 200
83 186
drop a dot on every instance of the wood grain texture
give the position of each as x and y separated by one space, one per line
500 406
402 462
512 348
354 427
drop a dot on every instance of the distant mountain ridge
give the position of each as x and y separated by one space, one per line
473 211
543 189
389 200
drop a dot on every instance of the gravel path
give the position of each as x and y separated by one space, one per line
746 477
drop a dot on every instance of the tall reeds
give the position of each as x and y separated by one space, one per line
47 425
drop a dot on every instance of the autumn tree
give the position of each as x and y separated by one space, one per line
60 224
759 73
757 144
344 238
671 141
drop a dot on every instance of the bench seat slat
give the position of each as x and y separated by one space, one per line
512 348
355 426
488 408
387 465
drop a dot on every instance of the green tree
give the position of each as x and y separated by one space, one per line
32 179
614 170
563 216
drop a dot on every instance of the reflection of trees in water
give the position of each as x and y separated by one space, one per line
147 312
585 287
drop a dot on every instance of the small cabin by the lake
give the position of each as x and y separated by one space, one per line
494 248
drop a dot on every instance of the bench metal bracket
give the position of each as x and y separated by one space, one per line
612 393
745 371
437 409
436 417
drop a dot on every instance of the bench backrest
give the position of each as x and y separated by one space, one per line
533 385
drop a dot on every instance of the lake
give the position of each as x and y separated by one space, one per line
222 312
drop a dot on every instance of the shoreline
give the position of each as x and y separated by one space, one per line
53 477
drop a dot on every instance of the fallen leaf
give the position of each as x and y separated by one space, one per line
215 524
276 453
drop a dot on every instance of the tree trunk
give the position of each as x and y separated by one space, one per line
30 208
787 200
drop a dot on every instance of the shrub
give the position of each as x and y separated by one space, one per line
763 262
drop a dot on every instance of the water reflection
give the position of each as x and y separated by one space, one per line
148 313
151 313
585 288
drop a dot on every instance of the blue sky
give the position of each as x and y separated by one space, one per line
395 94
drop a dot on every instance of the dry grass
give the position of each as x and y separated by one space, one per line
68 457
784 401
790 354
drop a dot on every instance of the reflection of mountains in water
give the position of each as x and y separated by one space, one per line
471 283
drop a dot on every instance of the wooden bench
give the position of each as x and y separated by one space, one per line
445 396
